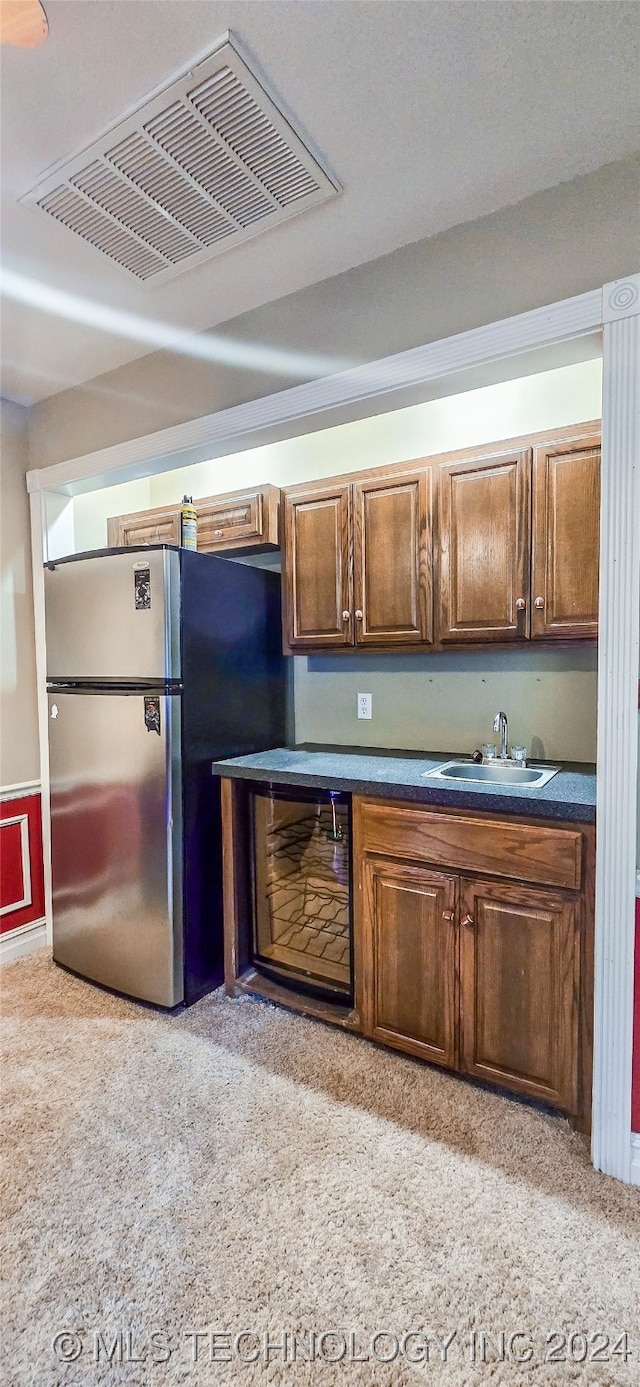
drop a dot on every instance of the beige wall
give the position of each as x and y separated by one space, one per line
548 400
92 510
19 752
561 242
447 702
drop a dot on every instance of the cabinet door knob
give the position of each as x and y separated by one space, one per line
539 603
218 534
520 604
448 915
359 614
467 920
346 615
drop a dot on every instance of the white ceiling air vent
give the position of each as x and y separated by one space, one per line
205 164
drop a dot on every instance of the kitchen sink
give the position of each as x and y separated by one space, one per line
493 775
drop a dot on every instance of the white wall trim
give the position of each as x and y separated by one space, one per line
23 940
618 659
25 859
37 506
19 790
634 1168
198 439
616 307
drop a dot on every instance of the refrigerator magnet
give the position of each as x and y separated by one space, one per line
142 587
152 714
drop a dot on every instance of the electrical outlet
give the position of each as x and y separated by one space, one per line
363 703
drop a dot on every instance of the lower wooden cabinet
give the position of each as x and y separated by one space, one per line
411 959
520 979
482 975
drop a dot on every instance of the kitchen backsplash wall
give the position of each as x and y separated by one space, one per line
447 702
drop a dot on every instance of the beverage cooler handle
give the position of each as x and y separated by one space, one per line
336 831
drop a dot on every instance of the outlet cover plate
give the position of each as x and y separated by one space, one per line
363 703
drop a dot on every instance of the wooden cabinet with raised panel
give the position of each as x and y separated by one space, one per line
566 539
489 976
392 560
158 526
411 959
484 548
357 562
239 520
317 583
242 520
520 978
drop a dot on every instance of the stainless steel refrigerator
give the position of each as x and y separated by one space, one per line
159 660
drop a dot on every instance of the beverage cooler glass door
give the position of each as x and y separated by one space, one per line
116 840
302 890
114 616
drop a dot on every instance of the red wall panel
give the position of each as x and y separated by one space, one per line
21 862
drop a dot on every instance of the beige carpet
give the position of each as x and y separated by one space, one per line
237 1168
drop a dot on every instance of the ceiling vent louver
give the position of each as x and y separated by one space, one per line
205 164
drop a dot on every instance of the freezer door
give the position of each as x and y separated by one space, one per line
114 616
116 836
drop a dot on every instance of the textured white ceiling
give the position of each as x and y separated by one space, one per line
429 114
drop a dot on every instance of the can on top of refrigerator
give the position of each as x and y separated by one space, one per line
188 524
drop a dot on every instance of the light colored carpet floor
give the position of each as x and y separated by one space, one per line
238 1168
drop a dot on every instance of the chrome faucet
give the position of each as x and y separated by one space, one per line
500 725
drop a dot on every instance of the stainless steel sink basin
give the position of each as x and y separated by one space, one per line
493 775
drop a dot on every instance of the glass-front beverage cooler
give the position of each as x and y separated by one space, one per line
301 864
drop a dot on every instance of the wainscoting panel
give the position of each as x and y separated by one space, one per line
21 870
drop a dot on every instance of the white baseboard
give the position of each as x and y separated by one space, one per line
22 940
634 1169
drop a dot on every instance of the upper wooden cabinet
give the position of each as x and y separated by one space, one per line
159 526
237 520
519 541
566 539
242 520
392 560
357 562
317 590
484 548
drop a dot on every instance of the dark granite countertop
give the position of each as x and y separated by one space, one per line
569 795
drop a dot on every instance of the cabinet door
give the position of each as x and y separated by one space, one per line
317 587
566 540
392 560
245 520
519 959
410 959
158 526
484 549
